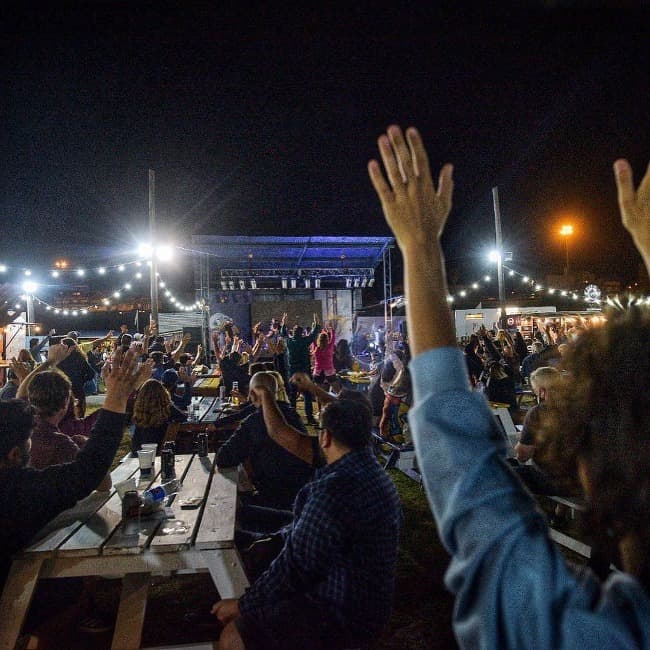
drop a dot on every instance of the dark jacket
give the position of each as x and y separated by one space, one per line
278 474
78 370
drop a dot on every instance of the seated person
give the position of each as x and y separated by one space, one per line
10 389
541 477
152 412
532 361
50 393
332 584
499 541
232 369
30 497
499 385
170 379
279 469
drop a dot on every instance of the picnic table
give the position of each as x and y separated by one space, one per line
89 540
207 386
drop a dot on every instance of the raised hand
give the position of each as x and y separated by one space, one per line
301 381
634 207
417 213
57 353
20 369
414 210
122 376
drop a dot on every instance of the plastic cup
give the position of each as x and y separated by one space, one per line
145 457
125 486
150 446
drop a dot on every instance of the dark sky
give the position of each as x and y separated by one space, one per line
260 120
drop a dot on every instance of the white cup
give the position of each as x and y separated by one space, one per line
124 486
150 446
146 456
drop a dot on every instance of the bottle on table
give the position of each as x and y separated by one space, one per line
234 397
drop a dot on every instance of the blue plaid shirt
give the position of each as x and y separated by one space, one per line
341 549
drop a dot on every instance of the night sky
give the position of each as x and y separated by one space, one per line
261 121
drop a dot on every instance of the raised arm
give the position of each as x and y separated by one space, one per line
56 354
306 385
417 212
293 440
181 346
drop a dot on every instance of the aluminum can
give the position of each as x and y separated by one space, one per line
167 460
130 508
202 444
222 393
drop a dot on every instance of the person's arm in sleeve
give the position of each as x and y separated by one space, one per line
50 491
501 552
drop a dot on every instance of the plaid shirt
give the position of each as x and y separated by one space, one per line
341 549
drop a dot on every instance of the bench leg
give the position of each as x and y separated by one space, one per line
16 598
130 614
227 571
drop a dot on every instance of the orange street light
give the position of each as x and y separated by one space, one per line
566 231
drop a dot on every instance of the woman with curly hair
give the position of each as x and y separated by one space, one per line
152 412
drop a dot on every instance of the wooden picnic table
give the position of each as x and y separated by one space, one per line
208 410
207 386
88 540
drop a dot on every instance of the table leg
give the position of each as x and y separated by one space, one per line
130 614
227 571
16 598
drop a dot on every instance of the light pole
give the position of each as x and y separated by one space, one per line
566 231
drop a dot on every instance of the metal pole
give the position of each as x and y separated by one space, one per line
30 313
499 245
152 237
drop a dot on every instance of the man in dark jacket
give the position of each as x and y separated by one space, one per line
29 498
278 472
298 347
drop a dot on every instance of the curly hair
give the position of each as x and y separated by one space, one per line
152 405
602 418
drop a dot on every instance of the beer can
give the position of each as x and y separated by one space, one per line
202 444
130 509
167 461
222 393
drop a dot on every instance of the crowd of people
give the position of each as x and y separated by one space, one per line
319 534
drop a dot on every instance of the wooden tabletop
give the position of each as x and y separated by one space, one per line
89 539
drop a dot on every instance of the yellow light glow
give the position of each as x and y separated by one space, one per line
566 230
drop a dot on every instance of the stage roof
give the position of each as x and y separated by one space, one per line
293 256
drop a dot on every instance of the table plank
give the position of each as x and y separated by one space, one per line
195 483
120 542
217 526
57 531
16 598
130 614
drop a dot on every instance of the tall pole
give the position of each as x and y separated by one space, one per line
153 277
499 245
30 313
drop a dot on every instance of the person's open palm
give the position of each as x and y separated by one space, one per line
413 208
634 206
